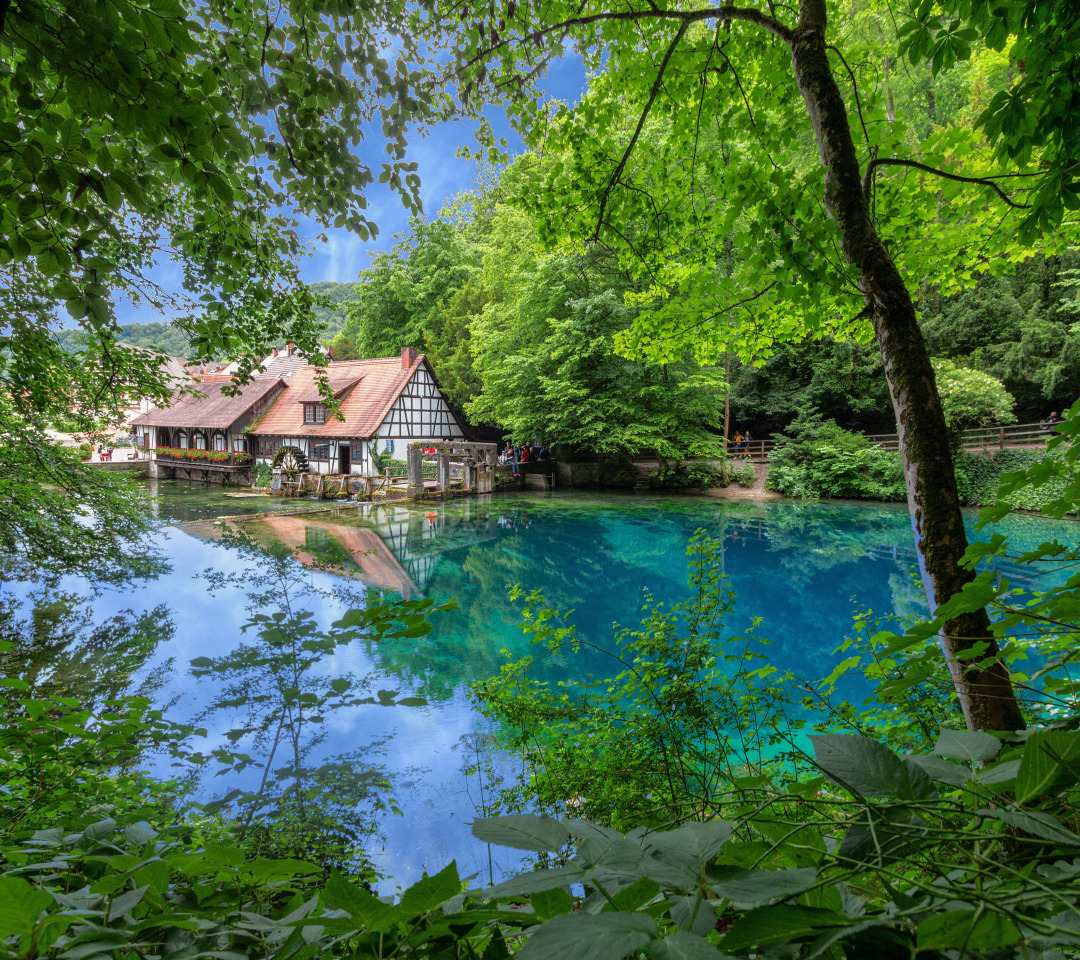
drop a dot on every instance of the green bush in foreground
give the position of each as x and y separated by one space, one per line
963 852
821 459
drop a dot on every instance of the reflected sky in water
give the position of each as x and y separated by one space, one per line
802 568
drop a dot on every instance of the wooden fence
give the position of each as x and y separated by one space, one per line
984 438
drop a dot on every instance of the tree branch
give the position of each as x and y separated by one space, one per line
727 12
868 177
855 88
621 165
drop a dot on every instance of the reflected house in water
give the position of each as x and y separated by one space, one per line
384 405
387 547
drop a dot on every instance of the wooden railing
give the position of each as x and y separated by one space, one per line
751 450
984 438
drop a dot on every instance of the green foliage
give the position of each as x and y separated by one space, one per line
701 474
59 516
1029 123
545 353
1016 328
820 459
744 475
979 477
261 474
690 711
971 398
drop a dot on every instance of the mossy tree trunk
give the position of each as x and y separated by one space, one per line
986 696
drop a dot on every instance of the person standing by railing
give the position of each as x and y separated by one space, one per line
1050 421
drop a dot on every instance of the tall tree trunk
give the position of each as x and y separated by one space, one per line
890 108
727 398
986 696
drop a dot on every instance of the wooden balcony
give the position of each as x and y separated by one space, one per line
212 460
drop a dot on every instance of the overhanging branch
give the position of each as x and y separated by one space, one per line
868 177
621 165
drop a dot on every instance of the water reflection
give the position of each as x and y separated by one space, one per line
50 640
801 568
275 692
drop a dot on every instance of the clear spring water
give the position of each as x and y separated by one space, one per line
803 568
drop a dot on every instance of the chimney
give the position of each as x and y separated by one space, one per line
408 357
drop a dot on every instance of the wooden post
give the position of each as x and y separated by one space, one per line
414 459
1002 439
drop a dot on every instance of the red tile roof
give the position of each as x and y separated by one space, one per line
212 408
364 407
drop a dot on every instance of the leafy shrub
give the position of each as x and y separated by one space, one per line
743 475
662 737
85 451
821 459
701 474
978 477
971 398
261 475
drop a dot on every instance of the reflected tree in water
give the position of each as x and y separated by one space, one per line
55 647
275 690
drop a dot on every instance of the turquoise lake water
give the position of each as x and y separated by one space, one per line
802 568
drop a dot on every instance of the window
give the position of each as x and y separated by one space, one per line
357 452
219 441
145 440
200 441
267 446
181 441
314 413
320 451
389 446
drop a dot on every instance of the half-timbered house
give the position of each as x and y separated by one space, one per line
384 404
206 435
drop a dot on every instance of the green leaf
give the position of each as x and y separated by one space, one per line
683 946
1003 772
365 908
551 903
941 770
635 896
879 836
1050 763
870 769
100 830
1038 824
693 915
780 924
754 888
431 892
126 902
973 931
972 746
20 906
522 832
585 936
528 884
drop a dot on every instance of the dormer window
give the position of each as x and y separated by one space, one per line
314 413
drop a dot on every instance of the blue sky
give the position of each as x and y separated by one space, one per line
443 175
